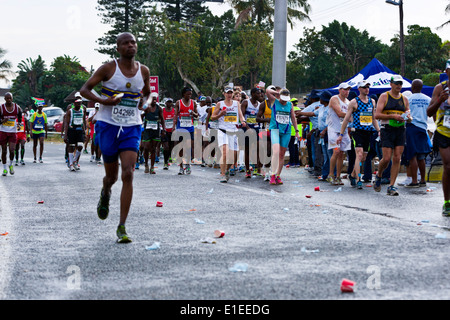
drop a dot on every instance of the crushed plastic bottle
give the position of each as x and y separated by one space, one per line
239 267
198 221
154 246
338 189
441 236
210 191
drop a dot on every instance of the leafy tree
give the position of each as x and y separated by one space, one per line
121 15
65 75
261 12
324 58
5 66
183 10
29 81
424 52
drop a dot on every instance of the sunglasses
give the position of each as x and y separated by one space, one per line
398 83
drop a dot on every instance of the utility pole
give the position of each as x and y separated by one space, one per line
279 44
402 35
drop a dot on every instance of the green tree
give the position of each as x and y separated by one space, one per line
65 75
424 52
29 81
5 66
121 15
324 58
183 10
261 12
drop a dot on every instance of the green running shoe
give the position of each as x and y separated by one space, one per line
5 172
446 210
122 235
103 206
11 169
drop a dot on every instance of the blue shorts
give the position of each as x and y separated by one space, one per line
282 139
112 142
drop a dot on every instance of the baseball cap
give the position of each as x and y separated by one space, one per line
77 95
228 89
285 95
396 78
97 105
363 83
78 100
344 85
271 87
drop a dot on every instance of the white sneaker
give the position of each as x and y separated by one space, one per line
72 168
407 181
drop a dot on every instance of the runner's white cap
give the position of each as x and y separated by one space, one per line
285 95
363 83
344 85
396 78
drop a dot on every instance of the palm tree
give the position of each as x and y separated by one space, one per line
262 11
5 67
447 10
31 72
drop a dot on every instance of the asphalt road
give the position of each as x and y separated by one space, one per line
293 247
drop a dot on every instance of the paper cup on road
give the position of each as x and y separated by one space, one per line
348 285
317 189
219 233
159 204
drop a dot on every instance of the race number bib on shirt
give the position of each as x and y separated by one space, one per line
283 117
365 118
446 121
152 125
185 122
231 117
125 112
77 121
169 123
10 123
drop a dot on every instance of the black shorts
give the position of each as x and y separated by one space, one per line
392 137
362 139
151 135
74 136
440 141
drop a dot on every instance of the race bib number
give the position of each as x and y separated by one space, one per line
152 125
125 112
169 123
10 123
251 119
77 121
185 122
283 117
365 118
230 117
446 121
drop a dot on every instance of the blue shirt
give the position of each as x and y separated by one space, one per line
311 108
322 113
418 103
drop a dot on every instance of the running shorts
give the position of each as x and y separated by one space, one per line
392 137
282 139
115 139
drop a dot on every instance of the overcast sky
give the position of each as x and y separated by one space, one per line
52 28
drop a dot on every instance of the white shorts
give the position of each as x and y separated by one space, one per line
345 143
229 139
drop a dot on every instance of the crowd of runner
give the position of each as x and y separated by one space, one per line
247 131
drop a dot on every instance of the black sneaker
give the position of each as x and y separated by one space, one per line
412 185
103 206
